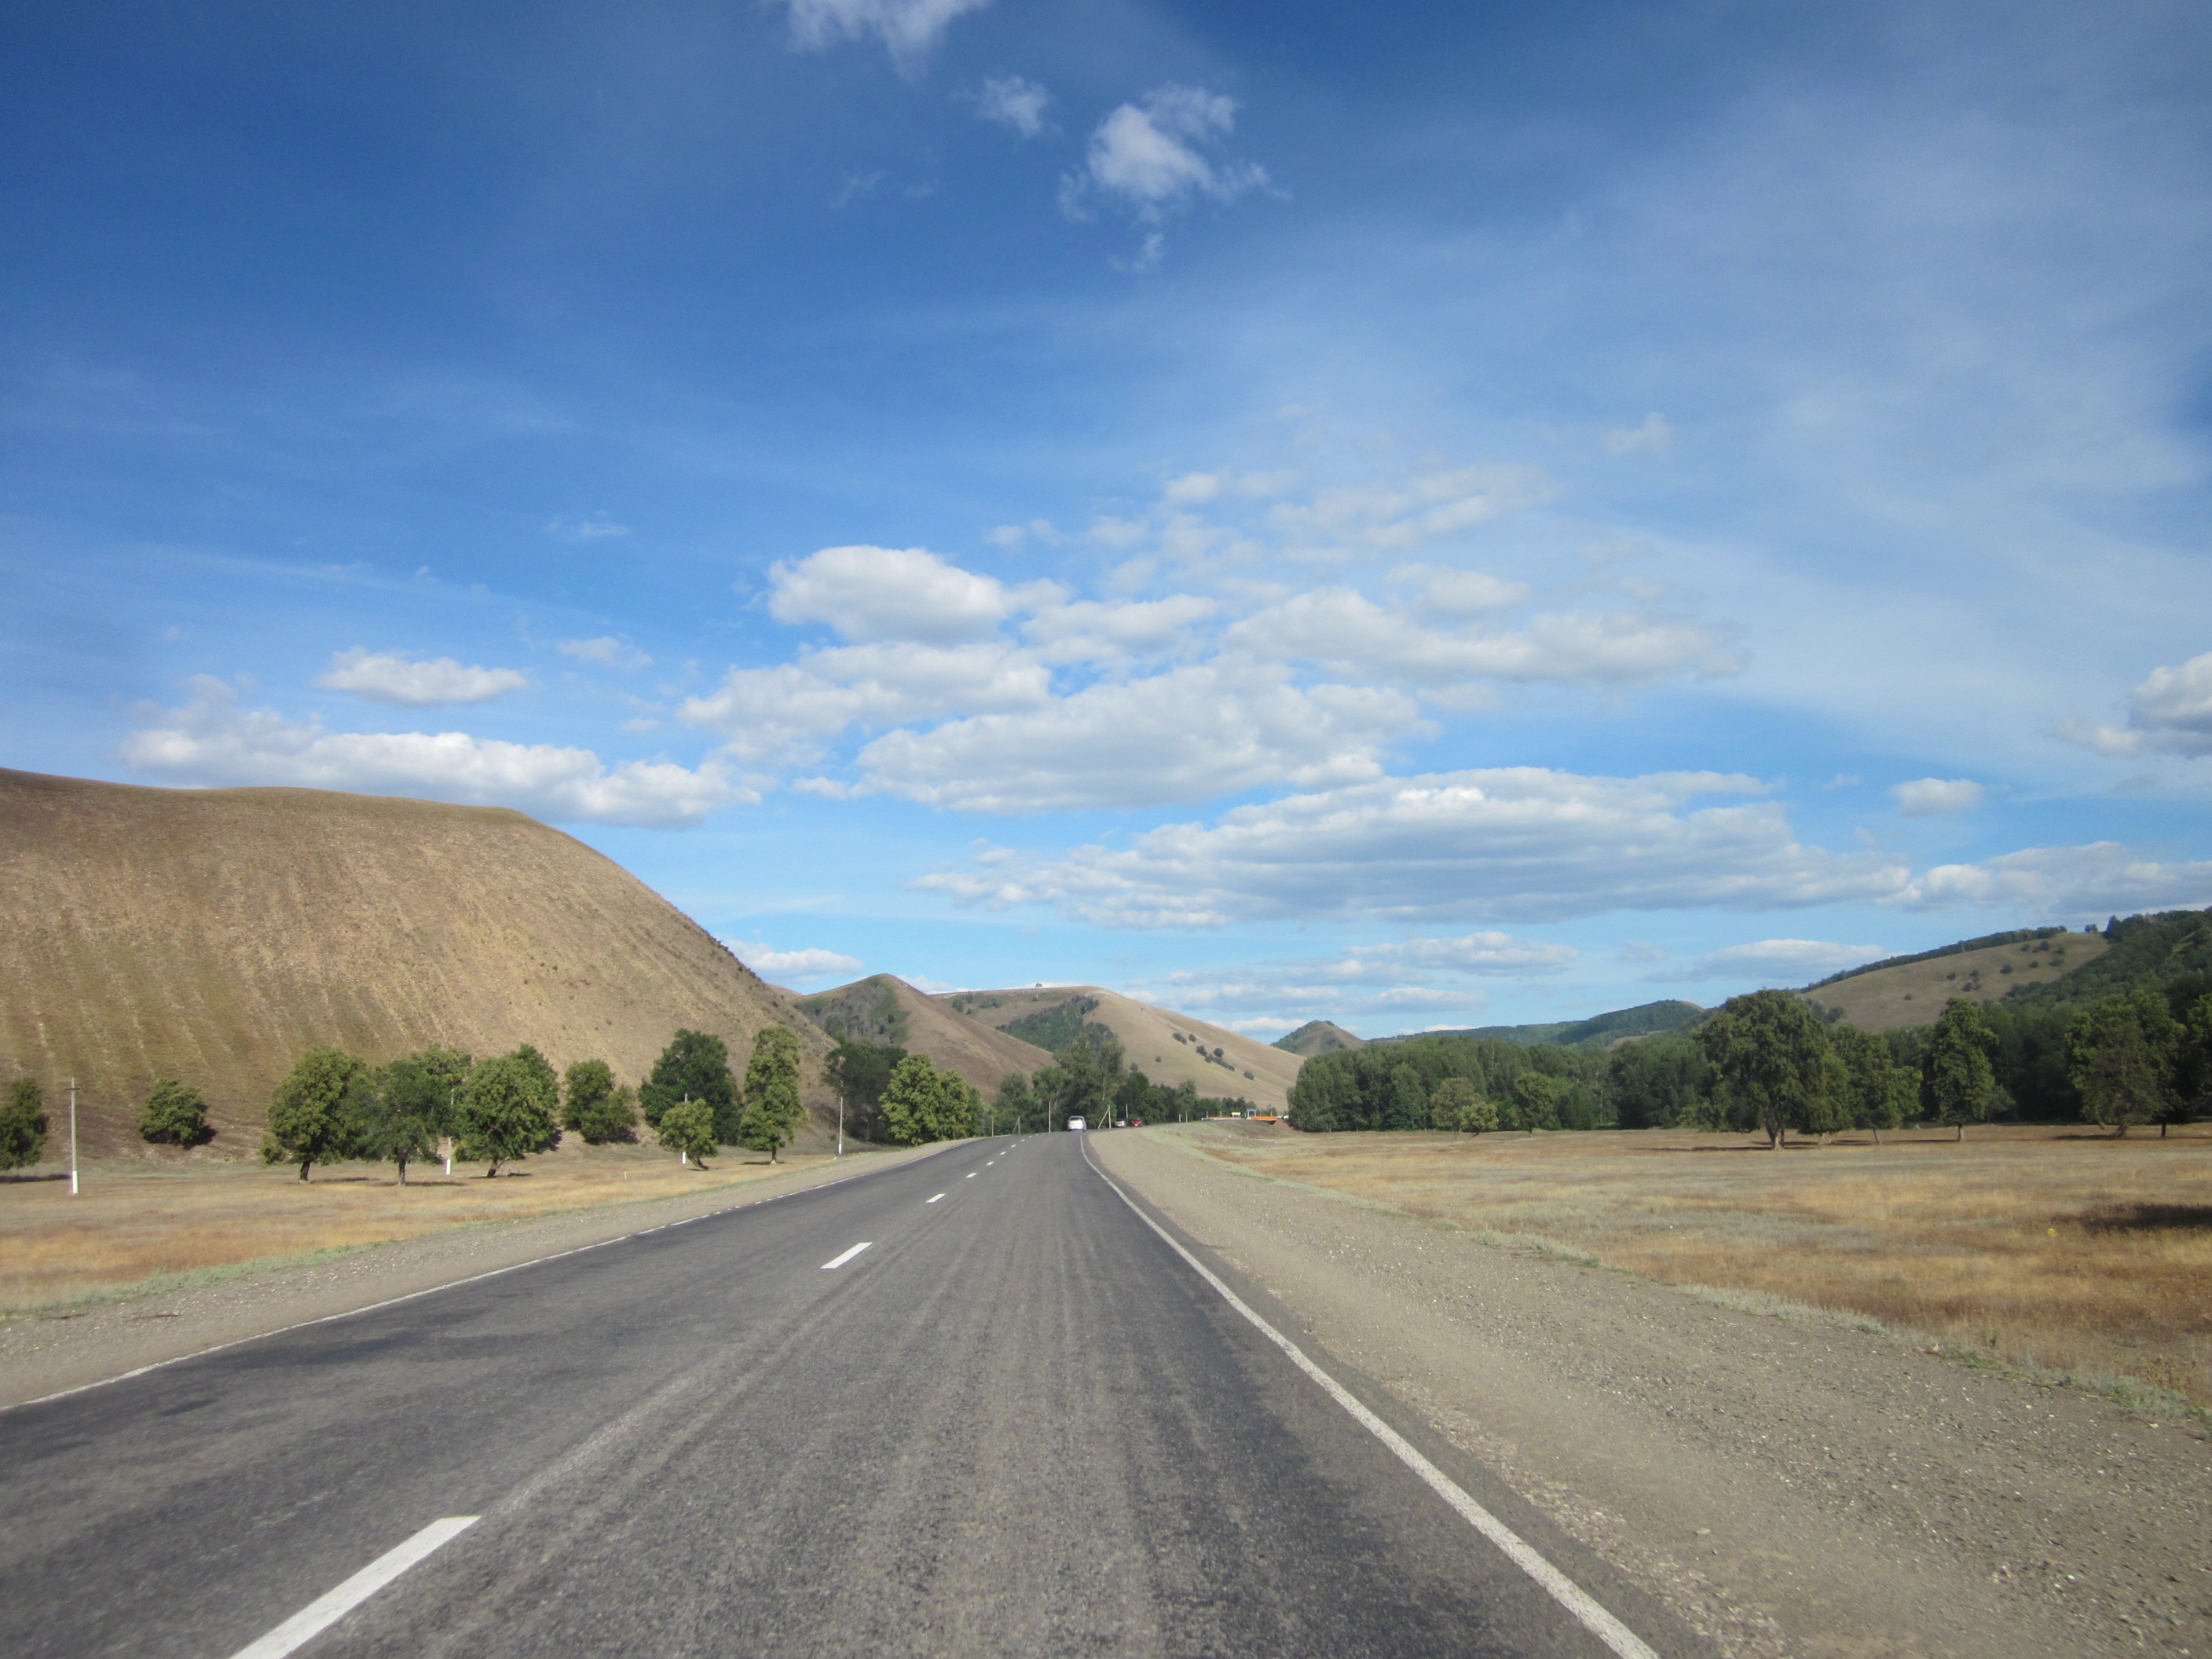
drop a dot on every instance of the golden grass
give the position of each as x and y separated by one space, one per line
2059 1246
130 1224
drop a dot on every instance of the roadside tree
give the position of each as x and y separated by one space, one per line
175 1115
923 1104
693 1067
1016 1104
1958 1084
1880 1090
1535 1103
508 1111
312 1116
2121 1053
549 1094
687 1129
859 1071
613 1117
1773 1063
411 1107
589 1082
773 1109
22 1125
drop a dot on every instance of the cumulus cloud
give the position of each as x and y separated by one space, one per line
892 594
910 29
212 741
771 964
1347 634
792 708
1159 153
1775 961
1651 438
606 650
1187 734
1091 630
1396 517
1014 103
1450 593
2069 883
405 683
1929 798
1509 844
2170 713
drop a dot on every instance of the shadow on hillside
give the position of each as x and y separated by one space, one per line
2145 1217
10 1179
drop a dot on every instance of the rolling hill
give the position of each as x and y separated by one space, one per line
1168 1047
886 1011
1318 1036
212 935
1598 1032
1884 996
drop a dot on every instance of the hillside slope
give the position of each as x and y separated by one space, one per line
212 935
1598 1032
1318 1036
1913 992
1167 1046
886 1011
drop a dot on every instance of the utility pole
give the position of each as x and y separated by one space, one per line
841 1123
72 1137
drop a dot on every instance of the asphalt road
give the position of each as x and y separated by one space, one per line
1017 1423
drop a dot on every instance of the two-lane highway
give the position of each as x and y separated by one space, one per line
976 1404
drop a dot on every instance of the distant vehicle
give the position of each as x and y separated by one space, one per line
1077 1123
1121 1122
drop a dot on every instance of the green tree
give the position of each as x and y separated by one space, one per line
1016 1103
2193 1065
1656 1082
693 1067
859 1071
2121 1053
508 1111
1454 1104
1773 1062
311 1118
589 1082
923 1104
175 1115
687 1129
613 1117
549 1094
22 1125
773 1109
407 1107
1535 1103
1409 1100
1958 1084
1880 1091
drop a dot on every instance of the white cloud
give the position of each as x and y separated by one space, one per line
213 742
2067 882
1361 979
1928 798
1347 634
893 593
910 29
1651 438
1450 592
1152 155
1775 961
1510 844
814 964
1091 630
1014 103
792 708
1486 953
405 682
1013 538
1394 518
606 650
597 527
1188 734
2171 712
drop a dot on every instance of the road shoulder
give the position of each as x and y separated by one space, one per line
1785 1488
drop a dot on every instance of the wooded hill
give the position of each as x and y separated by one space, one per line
1319 1036
1598 1032
1169 1049
213 935
885 1011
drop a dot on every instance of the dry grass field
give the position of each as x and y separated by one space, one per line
2062 1247
132 1224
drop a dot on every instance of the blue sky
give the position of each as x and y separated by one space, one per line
1455 515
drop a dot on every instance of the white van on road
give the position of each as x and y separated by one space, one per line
1077 1123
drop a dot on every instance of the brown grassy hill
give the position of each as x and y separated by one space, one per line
1167 1046
1319 1036
213 934
1914 992
885 1009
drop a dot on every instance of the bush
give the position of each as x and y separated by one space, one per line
687 1128
611 1118
22 1125
175 1115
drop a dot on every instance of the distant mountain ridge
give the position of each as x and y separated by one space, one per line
1598 1031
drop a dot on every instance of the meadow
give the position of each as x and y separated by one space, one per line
138 1226
2062 1248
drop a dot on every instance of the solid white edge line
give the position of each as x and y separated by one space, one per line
1561 1588
842 1260
319 1614
455 1283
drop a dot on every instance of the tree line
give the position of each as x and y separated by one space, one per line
1770 1062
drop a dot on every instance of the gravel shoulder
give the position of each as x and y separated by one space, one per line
46 1354
1788 1486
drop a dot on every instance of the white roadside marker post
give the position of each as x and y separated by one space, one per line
72 1137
